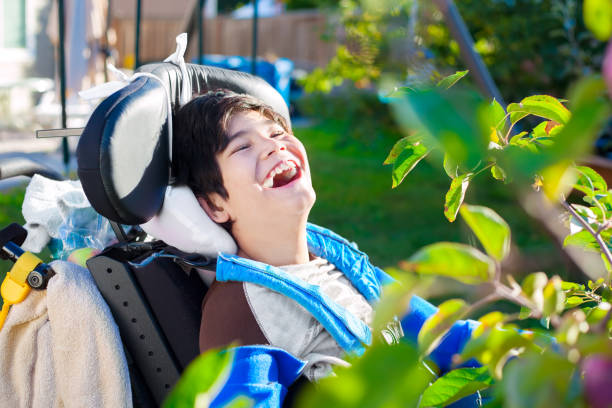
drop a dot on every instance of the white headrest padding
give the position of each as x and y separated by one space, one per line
183 224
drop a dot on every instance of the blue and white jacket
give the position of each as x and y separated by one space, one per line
264 373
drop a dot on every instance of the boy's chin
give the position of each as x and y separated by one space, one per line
296 204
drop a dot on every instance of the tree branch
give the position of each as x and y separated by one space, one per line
480 303
585 224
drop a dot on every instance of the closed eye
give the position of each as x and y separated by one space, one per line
277 134
241 147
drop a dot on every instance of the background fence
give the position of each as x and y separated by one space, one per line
294 35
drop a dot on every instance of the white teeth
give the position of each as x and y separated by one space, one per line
284 166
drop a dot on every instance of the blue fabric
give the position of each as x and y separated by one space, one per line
452 343
277 74
345 328
352 262
261 373
471 401
350 332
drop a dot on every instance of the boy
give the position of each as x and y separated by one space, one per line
293 286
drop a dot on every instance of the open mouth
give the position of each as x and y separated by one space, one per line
281 175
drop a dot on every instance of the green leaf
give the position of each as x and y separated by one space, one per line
488 321
448 120
524 313
439 323
589 181
554 297
494 347
455 195
533 286
397 148
492 118
574 301
498 173
519 138
541 380
498 115
491 230
572 325
566 285
201 380
458 261
590 110
450 167
240 401
406 161
451 80
558 179
598 313
583 239
598 18
455 385
544 106
540 129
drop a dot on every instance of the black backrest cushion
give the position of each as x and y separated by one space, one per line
205 78
123 155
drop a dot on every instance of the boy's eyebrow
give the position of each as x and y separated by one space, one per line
243 132
236 135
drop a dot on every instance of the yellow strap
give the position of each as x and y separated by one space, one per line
3 314
14 288
23 266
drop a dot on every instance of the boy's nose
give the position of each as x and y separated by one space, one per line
274 146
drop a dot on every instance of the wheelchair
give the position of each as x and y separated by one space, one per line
153 289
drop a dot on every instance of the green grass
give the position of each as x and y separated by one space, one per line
355 199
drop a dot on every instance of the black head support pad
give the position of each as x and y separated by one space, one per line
123 153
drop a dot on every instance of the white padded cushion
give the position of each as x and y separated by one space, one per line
183 224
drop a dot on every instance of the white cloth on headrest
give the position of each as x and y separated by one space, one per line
178 58
183 224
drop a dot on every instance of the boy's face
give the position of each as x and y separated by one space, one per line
265 172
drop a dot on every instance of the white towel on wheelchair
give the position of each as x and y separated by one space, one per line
61 347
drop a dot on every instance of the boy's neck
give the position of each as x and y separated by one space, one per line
279 244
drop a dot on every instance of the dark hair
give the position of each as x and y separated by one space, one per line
200 132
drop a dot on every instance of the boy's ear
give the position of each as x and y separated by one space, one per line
218 215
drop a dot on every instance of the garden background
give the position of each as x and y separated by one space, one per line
346 114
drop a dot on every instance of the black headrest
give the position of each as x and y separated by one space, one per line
123 155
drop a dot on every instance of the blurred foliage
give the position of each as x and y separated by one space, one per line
560 363
375 43
201 381
529 46
309 4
